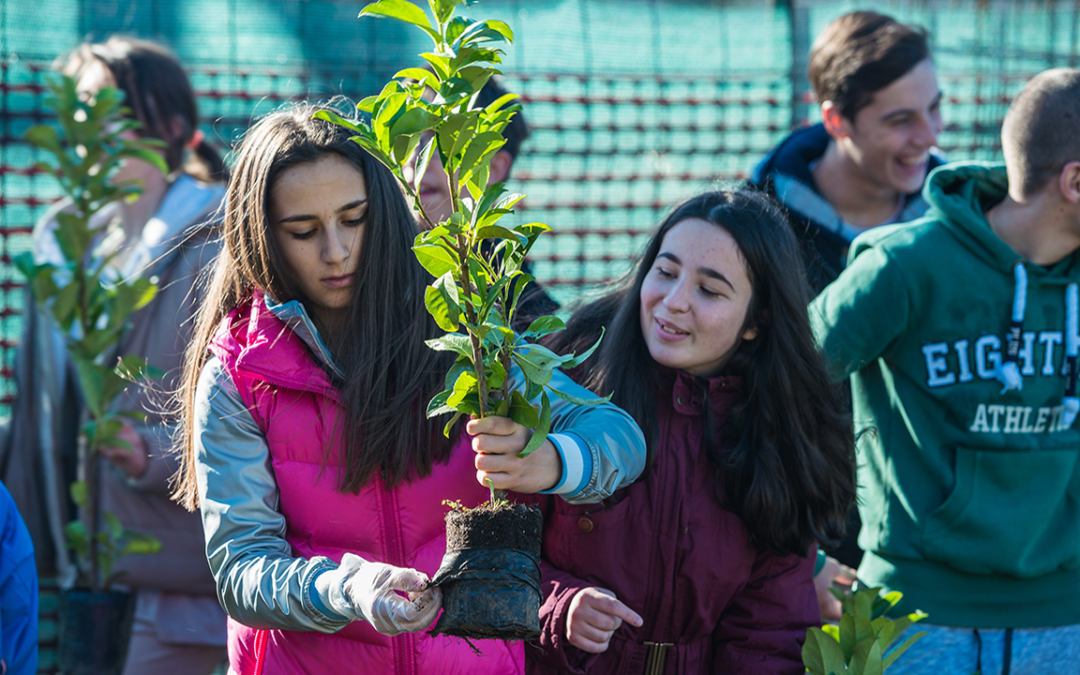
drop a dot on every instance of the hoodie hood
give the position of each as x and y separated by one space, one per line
960 194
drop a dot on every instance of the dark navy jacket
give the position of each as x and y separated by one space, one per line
785 174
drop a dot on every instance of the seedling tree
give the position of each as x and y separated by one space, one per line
90 307
476 262
860 644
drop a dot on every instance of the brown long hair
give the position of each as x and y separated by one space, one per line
158 94
390 374
788 466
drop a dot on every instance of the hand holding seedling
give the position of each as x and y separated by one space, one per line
595 615
499 443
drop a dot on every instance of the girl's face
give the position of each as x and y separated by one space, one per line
694 299
317 215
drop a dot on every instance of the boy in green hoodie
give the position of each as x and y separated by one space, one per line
959 332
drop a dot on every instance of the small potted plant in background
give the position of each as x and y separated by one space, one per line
860 644
490 575
91 309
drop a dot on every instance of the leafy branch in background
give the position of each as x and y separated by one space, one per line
860 643
89 305
477 286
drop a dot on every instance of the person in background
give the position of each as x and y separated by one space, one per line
960 333
865 163
165 233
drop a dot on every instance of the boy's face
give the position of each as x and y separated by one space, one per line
890 139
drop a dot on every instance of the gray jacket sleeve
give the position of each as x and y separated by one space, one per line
601 447
259 582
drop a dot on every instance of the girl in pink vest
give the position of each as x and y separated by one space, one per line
320 482
751 461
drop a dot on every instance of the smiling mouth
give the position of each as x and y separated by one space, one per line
668 328
914 161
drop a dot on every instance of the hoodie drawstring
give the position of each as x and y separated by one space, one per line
1008 372
1072 349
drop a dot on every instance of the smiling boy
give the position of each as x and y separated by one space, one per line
865 164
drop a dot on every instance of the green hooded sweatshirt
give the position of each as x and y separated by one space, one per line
969 494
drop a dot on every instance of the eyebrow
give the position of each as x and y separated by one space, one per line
908 111
707 271
305 217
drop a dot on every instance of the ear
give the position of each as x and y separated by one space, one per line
500 167
1069 182
750 333
834 123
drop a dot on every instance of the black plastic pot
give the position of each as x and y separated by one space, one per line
490 576
94 631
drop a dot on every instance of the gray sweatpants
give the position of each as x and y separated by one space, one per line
990 651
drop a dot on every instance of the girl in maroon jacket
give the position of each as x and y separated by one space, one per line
706 564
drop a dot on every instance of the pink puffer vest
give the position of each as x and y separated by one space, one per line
295 405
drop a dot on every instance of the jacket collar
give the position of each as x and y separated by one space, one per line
722 391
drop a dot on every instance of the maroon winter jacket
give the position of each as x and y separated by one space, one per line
670 552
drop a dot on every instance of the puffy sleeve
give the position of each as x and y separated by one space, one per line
259 582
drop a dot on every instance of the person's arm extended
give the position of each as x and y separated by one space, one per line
259 582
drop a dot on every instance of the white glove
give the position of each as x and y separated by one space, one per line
370 588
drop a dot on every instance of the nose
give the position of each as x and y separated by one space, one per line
678 298
929 128
338 245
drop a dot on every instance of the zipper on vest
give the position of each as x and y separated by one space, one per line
405 644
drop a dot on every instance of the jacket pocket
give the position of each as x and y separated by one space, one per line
575 533
1015 513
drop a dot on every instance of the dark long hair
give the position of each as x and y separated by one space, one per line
787 467
158 94
390 374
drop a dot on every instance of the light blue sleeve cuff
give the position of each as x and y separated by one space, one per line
577 464
323 593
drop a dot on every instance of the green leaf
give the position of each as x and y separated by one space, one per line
437 405
77 537
523 412
115 529
903 623
402 11
414 121
821 654
390 109
452 342
847 636
450 424
883 629
140 544
151 157
366 105
443 9
44 137
422 162
436 259
580 400
900 649
80 493
443 302
356 126
424 77
466 384
575 361
545 325
480 149
867 657
542 428
497 376
497 232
